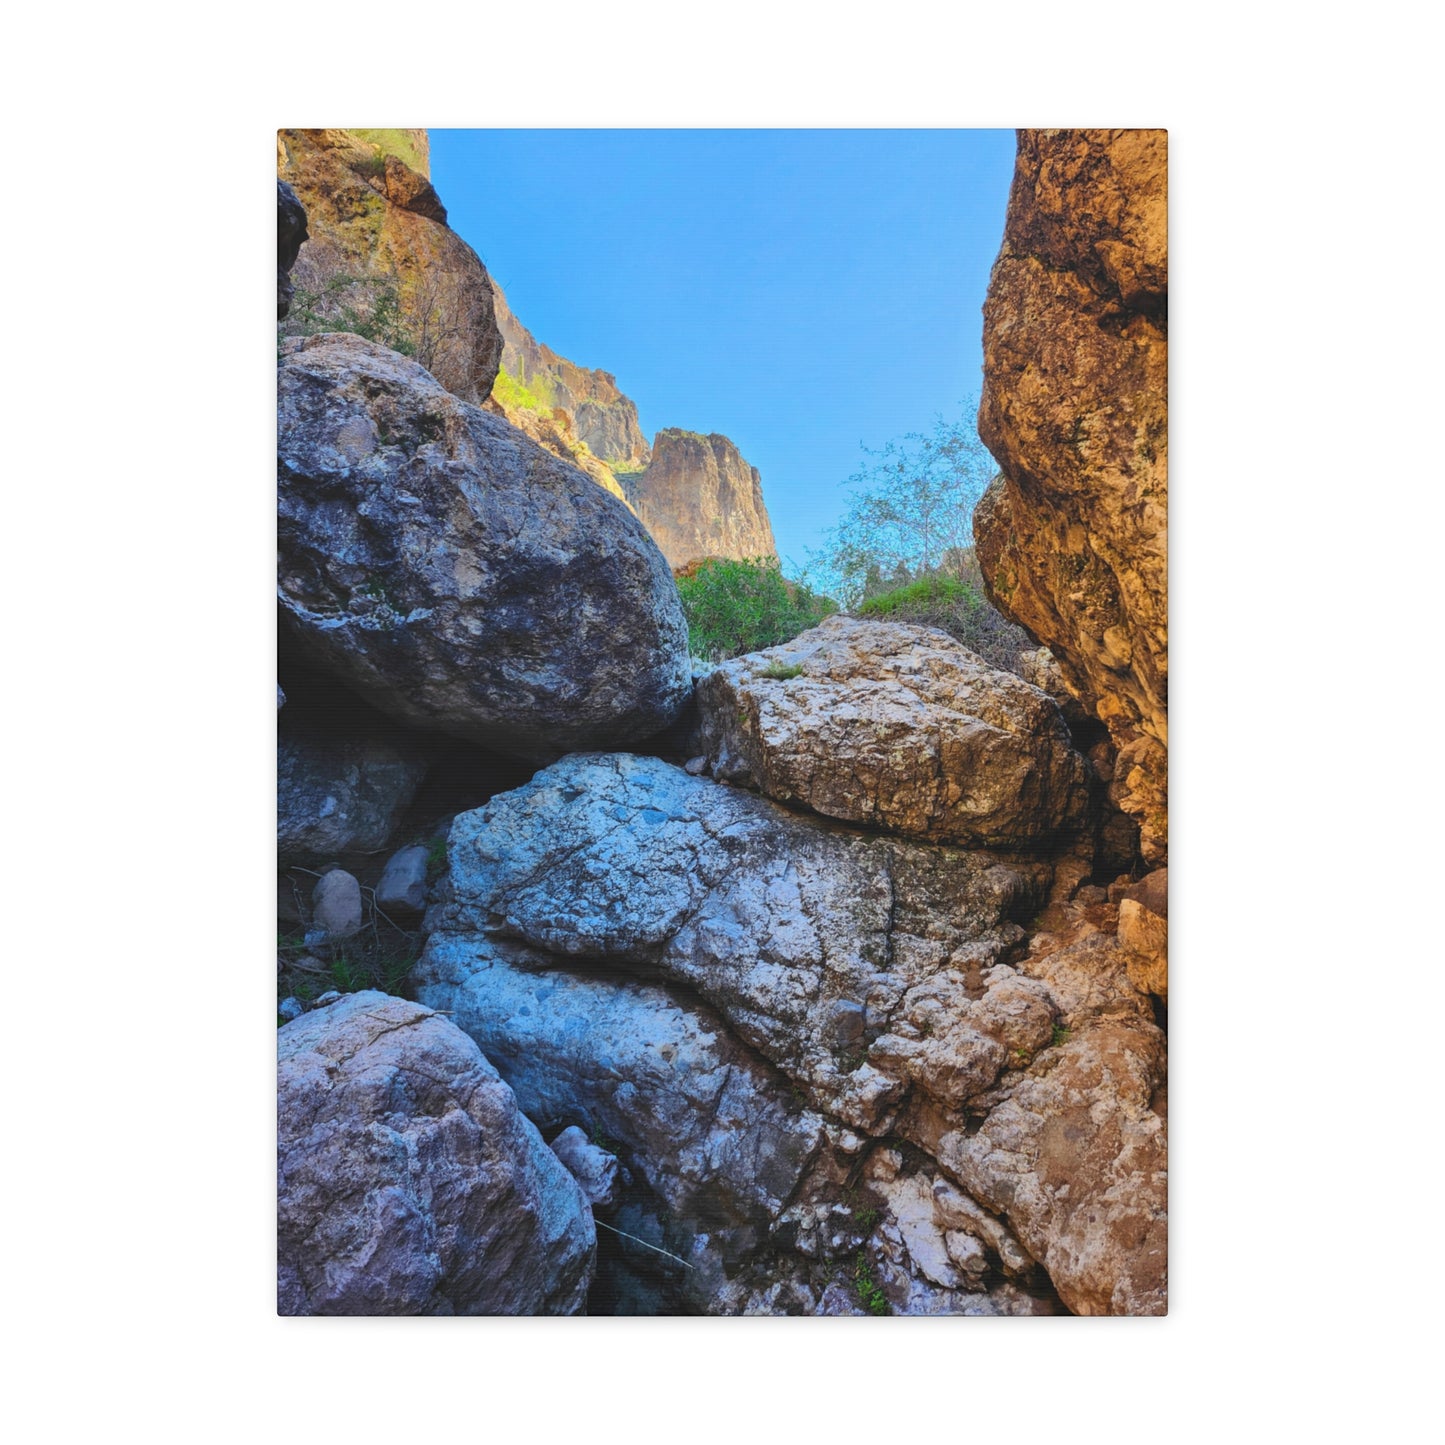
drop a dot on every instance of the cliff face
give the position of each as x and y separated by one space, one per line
1072 536
699 498
599 414
380 250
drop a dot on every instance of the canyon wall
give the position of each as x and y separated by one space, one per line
700 498
380 257
1072 535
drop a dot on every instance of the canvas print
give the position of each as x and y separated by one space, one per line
722 722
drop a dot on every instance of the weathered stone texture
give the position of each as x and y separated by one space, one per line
371 215
409 1183
1072 536
699 498
456 575
899 727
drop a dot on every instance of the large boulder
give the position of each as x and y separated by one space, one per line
714 1133
458 576
1072 537
899 727
861 967
409 1182
748 1186
380 243
342 784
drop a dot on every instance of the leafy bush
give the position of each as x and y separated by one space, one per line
954 601
736 607
512 392
910 509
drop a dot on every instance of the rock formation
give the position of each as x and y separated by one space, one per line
409 1181
699 499
376 223
597 414
456 575
635 947
290 233
899 727
342 783
1072 536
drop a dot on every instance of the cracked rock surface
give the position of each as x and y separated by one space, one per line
457 576
863 968
899 727
409 1183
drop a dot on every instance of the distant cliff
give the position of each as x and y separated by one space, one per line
601 416
700 498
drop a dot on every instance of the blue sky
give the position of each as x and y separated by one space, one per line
802 292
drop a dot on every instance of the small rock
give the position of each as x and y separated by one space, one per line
845 1020
403 882
329 997
590 1165
336 904
290 1008
696 767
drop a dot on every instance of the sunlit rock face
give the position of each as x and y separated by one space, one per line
699 498
373 214
1072 536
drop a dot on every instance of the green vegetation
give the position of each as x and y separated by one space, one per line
1061 1036
735 607
395 143
436 859
782 671
369 306
512 392
911 510
868 1290
387 971
953 600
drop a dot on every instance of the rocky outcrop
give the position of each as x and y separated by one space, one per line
700 499
862 968
1072 536
595 412
1144 931
899 727
342 784
378 232
290 233
456 575
408 1181
711 1129
812 1045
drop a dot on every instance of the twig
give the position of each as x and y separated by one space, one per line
642 1242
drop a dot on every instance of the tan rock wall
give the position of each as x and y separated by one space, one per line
1072 537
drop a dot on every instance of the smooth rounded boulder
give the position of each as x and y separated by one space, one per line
455 574
409 1182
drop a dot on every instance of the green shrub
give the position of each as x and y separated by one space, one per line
953 601
735 607
512 392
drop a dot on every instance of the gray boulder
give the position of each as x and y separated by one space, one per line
336 904
409 1183
715 1134
597 1171
899 727
458 576
341 788
863 968
402 889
